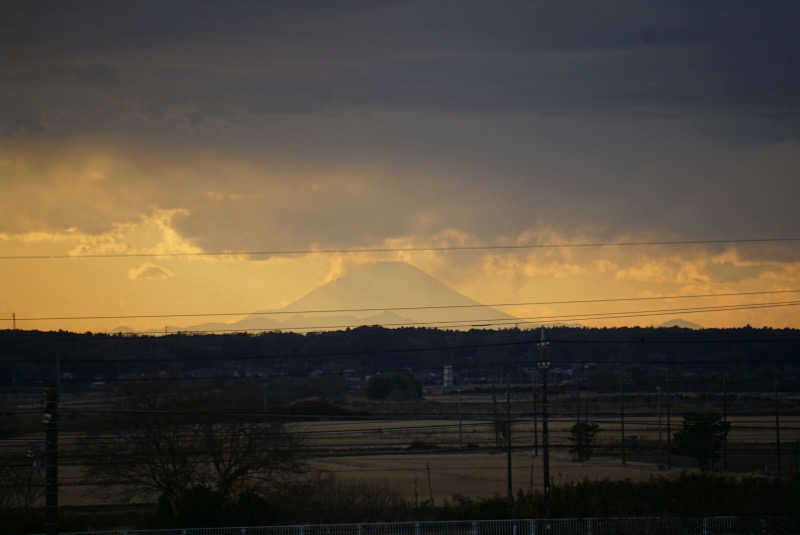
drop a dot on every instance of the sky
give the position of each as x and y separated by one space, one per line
164 127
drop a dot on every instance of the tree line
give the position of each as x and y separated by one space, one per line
28 356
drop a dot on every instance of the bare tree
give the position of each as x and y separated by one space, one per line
21 481
167 449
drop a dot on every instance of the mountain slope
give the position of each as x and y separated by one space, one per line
372 286
395 284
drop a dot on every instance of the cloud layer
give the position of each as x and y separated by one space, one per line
266 126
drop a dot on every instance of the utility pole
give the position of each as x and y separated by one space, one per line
430 484
508 439
658 415
586 403
669 422
460 424
544 365
577 401
777 427
534 394
50 419
496 417
622 415
725 421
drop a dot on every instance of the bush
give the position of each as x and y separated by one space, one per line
397 386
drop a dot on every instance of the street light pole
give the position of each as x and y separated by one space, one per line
544 365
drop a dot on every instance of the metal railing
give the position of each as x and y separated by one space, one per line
672 525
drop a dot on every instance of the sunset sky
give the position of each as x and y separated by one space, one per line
186 127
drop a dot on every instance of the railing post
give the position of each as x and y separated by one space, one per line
416 528
474 527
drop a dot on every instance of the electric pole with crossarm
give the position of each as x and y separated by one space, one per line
544 365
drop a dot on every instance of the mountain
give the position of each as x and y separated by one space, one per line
683 324
375 286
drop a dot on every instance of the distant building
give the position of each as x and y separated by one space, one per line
447 377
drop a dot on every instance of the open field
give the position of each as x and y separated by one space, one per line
474 474
458 441
477 475
377 452
479 433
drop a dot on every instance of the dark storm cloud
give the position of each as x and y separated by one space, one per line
259 57
608 118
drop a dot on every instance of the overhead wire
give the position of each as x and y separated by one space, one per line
397 308
493 322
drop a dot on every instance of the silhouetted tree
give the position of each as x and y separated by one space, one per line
181 455
702 437
582 436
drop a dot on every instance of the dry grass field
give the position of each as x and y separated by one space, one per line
401 451
477 475
444 433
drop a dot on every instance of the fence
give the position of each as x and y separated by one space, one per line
724 525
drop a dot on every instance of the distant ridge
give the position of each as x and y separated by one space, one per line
683 324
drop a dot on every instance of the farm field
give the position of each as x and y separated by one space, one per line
479 433
463 455
381 452
476 475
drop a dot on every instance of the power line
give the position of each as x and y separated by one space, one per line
400 308
495 322
641 314
463 248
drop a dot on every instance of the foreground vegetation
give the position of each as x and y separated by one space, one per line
322 498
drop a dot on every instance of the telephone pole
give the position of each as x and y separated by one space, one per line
534 395
460 425
50 419
658 416
669 422
622 416
544 365
725 421
496 416
777 427
508 439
